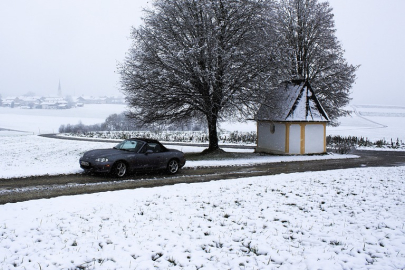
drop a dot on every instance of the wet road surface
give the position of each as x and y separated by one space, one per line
38 187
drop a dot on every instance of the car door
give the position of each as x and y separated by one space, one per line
136 160
154 155
164 157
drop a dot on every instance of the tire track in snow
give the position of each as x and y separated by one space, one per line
364 118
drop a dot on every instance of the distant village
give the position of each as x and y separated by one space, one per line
38 102
32 101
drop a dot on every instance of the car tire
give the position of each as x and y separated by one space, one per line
119 169
173 166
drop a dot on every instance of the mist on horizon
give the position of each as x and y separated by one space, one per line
80 43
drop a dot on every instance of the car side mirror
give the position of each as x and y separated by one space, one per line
149 152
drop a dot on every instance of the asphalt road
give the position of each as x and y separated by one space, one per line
23 189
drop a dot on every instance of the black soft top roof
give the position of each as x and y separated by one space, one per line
145 140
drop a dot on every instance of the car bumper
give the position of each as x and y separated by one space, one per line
100 167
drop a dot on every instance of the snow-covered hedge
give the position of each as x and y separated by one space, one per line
343 145
171 136
335 143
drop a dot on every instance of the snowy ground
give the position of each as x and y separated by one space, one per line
343 219
33 155
372 121
41 121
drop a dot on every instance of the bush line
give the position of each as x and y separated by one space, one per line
338 144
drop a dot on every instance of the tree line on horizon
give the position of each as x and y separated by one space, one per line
121 122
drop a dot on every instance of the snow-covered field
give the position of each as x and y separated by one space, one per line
39 121
372 121
342 219
33 155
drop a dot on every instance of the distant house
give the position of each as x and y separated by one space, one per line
53 103
115 100
91 100
29 101
11 102
293 122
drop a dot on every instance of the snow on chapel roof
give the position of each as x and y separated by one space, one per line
294 101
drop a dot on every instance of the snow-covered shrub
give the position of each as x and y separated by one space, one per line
171 136
343 145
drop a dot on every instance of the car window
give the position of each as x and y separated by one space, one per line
154 147
129 145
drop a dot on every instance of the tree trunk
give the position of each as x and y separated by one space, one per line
212 133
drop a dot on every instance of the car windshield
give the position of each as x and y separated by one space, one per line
129 145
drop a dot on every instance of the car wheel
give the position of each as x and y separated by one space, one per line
173 166
119 169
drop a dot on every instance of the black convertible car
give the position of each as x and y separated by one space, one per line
133 155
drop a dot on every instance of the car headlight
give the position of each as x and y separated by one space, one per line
102 159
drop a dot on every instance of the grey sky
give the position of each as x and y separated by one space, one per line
80 41
372 33
76 41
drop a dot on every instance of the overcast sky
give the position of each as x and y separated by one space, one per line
79 42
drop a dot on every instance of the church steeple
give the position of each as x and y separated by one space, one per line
59 90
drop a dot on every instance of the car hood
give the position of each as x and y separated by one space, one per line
98 153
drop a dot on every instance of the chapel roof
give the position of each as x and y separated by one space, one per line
294 101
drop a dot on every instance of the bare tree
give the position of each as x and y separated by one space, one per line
311 51
199 58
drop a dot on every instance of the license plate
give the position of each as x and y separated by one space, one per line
84 163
